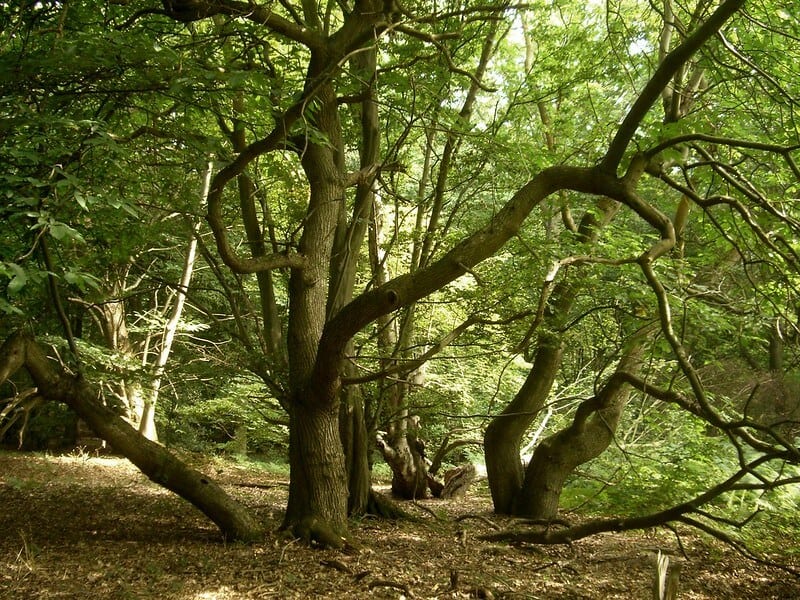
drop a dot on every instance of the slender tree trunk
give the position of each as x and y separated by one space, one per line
356 444
147 424
347 253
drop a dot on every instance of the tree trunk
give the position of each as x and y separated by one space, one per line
233 519
353 433
344 266
503 437
588 436
147 422
409 472
317 507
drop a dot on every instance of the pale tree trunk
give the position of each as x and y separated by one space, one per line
55 384
147 424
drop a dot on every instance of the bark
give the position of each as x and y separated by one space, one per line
272 339
353 433
317 506
147 423
588 436
402 454
347 253
503 436
234 520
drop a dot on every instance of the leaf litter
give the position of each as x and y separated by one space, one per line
81 527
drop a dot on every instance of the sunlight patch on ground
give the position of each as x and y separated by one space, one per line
221 593
103 461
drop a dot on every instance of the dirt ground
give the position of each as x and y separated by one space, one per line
93 527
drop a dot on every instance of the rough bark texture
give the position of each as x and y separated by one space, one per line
317 506
409 472
234 520
353 433
346 255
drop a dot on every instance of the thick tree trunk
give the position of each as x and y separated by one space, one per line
317 507
503 437
409 471
588 436
233 519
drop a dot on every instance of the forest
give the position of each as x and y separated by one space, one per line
483 291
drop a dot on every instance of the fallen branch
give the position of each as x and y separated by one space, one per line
392 584
480 518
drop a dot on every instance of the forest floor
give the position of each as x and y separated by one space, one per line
79 527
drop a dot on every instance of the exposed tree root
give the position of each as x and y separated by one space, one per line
315 531
380 506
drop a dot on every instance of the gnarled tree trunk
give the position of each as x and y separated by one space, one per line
588 436
503 437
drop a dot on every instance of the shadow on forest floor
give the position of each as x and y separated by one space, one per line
80 527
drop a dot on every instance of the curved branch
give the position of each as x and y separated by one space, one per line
671 64
549 535
187 11
21 350
720 141
408 288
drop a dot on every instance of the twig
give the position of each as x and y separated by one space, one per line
336 564
392 584
480 518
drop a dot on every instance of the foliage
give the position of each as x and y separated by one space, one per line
110 117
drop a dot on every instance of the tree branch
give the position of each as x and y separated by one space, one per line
672 62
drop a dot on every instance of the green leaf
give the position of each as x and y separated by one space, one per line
19 279
61 231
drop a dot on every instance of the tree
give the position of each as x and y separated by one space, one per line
307 167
